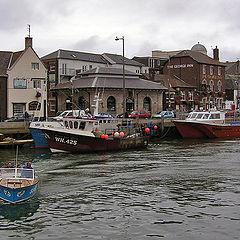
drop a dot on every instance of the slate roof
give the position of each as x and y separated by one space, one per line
231 82
118 59
15 57
4 62
75 55
199 57
107 71
112 81
170 81
105 58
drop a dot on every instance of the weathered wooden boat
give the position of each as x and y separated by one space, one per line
86 135
207 125
17 184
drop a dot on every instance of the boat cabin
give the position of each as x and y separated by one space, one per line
206 116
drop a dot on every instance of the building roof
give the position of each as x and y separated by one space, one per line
75 55
107 71
170 81
5 58
199 57
164 54
199 48
15 57
232 67
95 79
118 59
231 82
111 83
105 58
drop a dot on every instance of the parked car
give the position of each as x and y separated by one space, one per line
104 115
232 113
19 118
164 114
140 114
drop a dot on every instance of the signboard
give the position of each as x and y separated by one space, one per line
188 65
20 83
34 105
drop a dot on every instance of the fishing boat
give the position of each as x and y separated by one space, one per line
17 184
210 124
94 135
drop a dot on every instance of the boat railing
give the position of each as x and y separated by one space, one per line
17 173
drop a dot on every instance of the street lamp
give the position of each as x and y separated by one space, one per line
124 104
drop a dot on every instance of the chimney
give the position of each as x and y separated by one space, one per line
216 53
28 42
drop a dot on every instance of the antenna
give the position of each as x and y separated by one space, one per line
28 29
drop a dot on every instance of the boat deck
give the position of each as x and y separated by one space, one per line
17 183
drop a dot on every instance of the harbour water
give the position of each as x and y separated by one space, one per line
175 189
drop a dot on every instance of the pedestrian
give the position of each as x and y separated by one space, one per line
9 165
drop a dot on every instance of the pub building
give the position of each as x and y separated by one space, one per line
205 74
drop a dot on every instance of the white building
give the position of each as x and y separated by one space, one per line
26 76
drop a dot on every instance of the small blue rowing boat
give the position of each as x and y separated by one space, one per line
17 184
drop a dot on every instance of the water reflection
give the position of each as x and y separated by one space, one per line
19 211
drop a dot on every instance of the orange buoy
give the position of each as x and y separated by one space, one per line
147 130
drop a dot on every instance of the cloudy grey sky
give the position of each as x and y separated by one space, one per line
92 25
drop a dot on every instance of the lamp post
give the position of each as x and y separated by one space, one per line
124 102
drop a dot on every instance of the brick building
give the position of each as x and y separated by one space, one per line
205 74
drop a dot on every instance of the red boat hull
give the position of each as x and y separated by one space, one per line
207 130
63 141
189 130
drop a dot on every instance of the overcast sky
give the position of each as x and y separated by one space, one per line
147 25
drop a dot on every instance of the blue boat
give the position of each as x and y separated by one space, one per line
17 184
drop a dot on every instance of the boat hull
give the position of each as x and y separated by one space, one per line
189 130
39 138
16 195
68 142
220 131
207 130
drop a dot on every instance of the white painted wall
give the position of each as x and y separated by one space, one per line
22 68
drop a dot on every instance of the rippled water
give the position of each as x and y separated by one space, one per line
175 189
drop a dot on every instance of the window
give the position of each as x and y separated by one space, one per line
151 63
219 71
84 68
90 67
211 85
190 96
52 105
204 69
147 104
52 77
19 108
64 68
111 104
82 102
52 67
219 86
182 96
211 70
36 83
35 66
